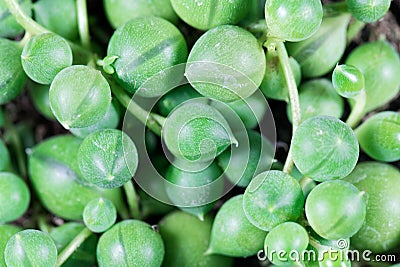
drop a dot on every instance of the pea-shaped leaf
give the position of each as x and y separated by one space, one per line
318 97
175 97
381 184
12 76
130 243
44 56
79 96
348 81
368 10
120 11
55 176
242 163
14 197
143 47
186 239
196 132
379 136
293 20
324 148
335 209
380 64
109 121
4 156
31 248
221 64
232 233
6 232
9 27
99 215
62 21
272 197
83 256
274 83
319 54
250 111
195 192
107 158
207 14
39 94
287 237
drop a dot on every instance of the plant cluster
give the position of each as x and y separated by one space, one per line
166 156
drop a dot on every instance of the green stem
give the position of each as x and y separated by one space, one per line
293 97
357 111
43 225
83 25
11 136
23 19
153 121
72 246
354 28
335 9
133 199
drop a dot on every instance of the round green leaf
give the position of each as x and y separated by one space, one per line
348 81
368 10
44 56
31 248
324 148
76 103
130 243
99 215
39 94
107 158
221 64
289 237
380 64
381 184
196 132
109 121
207 14
55 176
379 136
120 11
145 47
14 197
293 20
195 189
232 233
272 197
335 209
186 239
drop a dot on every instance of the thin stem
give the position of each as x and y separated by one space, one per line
357 111
152 121
83 24
23 19
72 246
133 199
354 28
293 97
